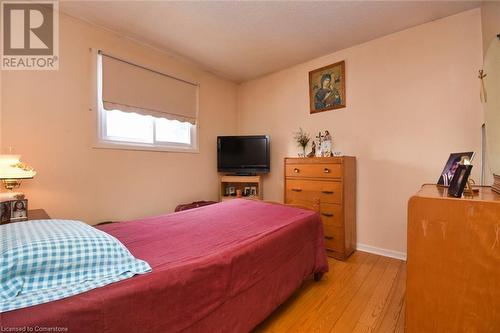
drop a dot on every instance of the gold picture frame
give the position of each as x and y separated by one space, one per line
327 88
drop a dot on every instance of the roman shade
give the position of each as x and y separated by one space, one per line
132 88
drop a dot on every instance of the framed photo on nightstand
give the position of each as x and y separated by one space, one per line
5 212
19 210
13 211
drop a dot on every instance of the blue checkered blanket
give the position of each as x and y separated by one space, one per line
46 260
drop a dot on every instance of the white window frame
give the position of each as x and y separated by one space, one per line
105 142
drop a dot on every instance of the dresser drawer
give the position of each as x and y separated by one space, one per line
303 204
331 214
323 170
334 237
312 190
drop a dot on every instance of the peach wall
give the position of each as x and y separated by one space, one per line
1 80
490 20
412 98
490 23
46 118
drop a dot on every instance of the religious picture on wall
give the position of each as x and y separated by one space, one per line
327 88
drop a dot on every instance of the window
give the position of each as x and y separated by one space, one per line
129 129
151 111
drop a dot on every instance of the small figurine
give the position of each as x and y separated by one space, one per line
326 149
320 144
328 137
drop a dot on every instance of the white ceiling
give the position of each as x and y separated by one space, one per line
244 40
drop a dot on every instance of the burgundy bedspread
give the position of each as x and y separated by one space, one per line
223 267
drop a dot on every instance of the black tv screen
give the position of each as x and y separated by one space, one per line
243 154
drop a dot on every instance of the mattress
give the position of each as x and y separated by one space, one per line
223 267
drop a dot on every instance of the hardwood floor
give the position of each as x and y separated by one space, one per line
366 293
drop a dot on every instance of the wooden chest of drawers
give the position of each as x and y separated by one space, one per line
453 255
327 184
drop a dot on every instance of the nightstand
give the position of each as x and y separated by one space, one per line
38 214
34 214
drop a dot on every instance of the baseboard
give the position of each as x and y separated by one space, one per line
381 251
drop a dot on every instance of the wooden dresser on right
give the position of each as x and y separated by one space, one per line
453 265
328 185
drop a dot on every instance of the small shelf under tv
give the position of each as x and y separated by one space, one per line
240 183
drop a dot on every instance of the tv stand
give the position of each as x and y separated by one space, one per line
229 185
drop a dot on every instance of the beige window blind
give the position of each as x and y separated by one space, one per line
132 88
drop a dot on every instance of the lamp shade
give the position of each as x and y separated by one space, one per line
11 167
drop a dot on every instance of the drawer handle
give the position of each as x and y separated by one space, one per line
326 170
329 237
327 192
296 170
327 214
296 189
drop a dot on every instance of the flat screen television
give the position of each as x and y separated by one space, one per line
243 155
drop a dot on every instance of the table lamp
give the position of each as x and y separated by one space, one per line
12 171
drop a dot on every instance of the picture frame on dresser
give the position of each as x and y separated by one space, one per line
459 181
454 160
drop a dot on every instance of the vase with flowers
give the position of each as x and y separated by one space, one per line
302 138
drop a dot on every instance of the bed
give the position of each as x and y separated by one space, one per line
223 267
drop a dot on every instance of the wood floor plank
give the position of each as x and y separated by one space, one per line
395 305
374 309
353 312
400 326
365 293
300 302
332 305
298 308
